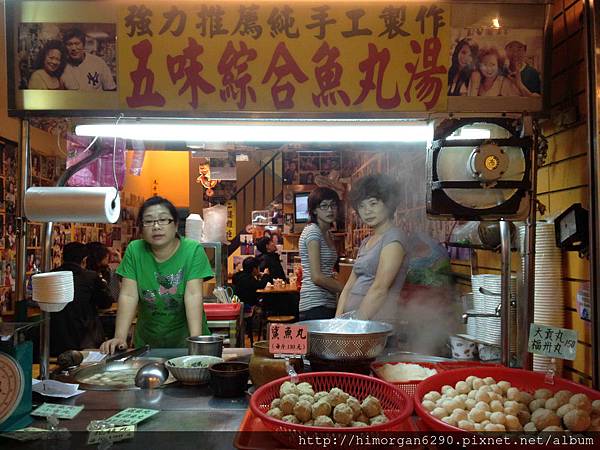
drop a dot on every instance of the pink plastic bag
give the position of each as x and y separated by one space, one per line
100 171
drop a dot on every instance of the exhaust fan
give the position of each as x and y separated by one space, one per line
478 170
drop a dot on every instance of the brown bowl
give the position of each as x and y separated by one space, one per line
229 379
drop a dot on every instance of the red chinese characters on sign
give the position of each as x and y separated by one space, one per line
280 71
374 70
187 66
328 76
288 339
428 80
233 67
142 75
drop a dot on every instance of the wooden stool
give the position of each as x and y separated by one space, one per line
278 319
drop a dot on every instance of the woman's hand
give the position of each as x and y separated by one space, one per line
112 345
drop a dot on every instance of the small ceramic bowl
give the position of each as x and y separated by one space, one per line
192 369
229 379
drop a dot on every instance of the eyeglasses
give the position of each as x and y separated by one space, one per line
161 222
328 206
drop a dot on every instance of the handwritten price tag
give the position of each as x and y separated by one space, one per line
553 342
288 339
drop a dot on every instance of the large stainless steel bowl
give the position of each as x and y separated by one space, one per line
349 340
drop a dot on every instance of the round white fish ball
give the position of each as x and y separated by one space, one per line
577 420
428 405
596 406
459 403
498 418
494 427
439 413
512 394
512 410
542 393
497 397
449 406
563 396
477 383
451 393
466 425
483 406
529 426
564 409
485 422
485 388
497 389
470 403
552 404
275 413
496 406
504 385
537 404
512 423
462 387
478 427
469 380
472 394
432 395
449 420
489 381
459 414
552 428
483 397
275 403
445 388
477 415
462 397
581 401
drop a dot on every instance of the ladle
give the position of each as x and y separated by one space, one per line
151 375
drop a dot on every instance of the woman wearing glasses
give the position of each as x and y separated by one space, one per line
162 279
318 256
373 289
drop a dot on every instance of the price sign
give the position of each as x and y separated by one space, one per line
131 416
288 339
60 411
553 342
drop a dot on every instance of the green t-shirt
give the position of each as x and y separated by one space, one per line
161 310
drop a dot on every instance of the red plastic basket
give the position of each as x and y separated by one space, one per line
522 379
222 311
395 403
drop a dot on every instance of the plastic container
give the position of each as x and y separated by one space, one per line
522 379
408 387
222 311
395 403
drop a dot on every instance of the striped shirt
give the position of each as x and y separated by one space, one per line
311 295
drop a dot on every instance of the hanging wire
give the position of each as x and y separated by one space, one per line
114 162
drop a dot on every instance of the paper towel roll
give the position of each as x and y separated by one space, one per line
72 204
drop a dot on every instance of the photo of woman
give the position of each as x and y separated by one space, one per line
488 80
464 59
49 67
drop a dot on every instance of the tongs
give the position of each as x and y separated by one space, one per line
128 354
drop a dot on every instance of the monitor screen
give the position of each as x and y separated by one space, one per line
301 214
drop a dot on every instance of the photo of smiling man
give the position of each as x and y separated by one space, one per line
84 71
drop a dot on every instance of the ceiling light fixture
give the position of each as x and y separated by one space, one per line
264 131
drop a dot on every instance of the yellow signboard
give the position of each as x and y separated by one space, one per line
337 57
231 222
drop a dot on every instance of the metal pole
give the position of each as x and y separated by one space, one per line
505 292
592 15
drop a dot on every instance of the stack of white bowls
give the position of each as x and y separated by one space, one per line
488 329
194 225
548 297
53 290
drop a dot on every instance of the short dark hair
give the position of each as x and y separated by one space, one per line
74 32
97 251
249 264
317 196
41 57
74 252
158 200
262 243
382 187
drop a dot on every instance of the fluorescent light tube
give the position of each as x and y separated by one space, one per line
264 132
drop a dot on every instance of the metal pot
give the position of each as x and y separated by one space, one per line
205 345
349 340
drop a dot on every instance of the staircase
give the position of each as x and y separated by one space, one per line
264 187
